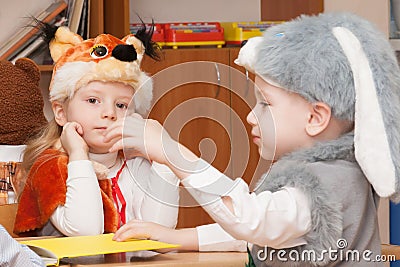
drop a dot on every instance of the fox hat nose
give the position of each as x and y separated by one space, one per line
125 53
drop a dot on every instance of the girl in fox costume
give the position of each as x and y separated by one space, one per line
74 186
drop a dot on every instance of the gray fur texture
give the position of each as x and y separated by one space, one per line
304 56
326 216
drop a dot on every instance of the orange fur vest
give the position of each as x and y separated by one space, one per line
46 189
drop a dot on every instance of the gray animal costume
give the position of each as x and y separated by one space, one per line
343 61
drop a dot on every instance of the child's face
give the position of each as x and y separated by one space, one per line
95 107
278 120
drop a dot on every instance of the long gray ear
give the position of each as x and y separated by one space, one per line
371 136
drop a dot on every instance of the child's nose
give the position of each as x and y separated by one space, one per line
251 118
109 113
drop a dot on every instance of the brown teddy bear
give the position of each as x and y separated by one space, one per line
21 115
21 101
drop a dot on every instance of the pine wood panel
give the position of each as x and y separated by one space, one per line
116 17
289 9
96 17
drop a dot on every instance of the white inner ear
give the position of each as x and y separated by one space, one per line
140 49
248 54
370 139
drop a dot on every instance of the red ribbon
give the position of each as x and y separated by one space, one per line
117 195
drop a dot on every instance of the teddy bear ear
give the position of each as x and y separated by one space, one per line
30 67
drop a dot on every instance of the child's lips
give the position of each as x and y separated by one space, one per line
256 138
101 128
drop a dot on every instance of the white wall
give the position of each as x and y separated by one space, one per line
194 10
13 15
376 11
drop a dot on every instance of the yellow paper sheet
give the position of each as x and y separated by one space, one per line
69 247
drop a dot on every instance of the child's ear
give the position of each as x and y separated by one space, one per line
59 113
318 118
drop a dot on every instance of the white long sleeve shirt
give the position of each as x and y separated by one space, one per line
276 220
150 191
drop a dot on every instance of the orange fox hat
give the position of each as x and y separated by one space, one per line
104 58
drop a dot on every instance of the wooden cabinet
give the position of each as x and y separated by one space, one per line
196 101
289 9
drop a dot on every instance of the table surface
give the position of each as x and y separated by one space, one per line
222 259
150 258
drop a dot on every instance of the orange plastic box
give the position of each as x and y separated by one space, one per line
193 33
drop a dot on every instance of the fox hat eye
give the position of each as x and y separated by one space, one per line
99 51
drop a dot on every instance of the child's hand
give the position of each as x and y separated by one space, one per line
186 237
144 230
147 138
72 141
139 137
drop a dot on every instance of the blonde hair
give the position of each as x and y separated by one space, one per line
45 139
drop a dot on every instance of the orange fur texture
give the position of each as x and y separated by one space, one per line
45 190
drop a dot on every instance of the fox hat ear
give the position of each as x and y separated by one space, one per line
142 42
63 40
59 38
344 61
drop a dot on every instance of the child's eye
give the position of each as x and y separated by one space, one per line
92 101
264 104
122 106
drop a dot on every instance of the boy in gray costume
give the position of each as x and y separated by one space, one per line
327 113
